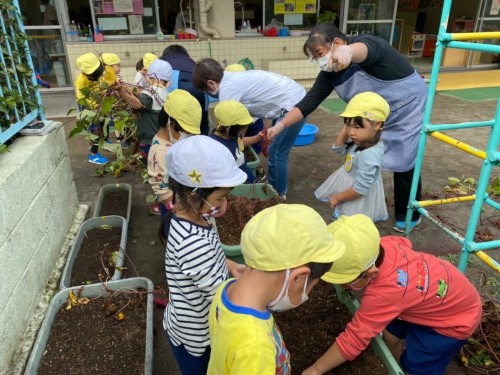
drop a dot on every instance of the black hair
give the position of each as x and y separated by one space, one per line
175 49
207 69
182 197
163 118
378 261
232 131
322 33
139 65
318 269
358 120
96 74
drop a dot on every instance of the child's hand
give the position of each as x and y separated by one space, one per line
311 371
334 201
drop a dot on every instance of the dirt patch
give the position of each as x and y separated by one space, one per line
95 259
115 203
325 318
104 336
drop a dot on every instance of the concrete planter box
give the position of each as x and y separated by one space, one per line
96 222
377 344
259 190
107 189
91 291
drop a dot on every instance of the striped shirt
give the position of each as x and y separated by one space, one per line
195 266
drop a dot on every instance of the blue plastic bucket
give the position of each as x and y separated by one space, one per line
306 135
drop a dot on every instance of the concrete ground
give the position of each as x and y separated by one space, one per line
309 166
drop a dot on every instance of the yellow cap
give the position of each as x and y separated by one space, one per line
110 58
88 63
185 109
147 59
367 105
361 239
235 68
232 112
287 236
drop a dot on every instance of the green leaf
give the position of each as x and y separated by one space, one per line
453 181
70 111
107 104
4 148
469 180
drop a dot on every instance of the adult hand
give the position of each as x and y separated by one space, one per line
341 58
275 130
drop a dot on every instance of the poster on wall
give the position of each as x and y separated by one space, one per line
284 6
305 6
123 6
495 7
135 24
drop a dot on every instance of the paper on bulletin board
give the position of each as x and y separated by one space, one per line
284 6
148 12
495 7
305 6
123 6
293 19
115 23
135 23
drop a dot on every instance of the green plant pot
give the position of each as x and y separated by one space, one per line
377 343
260 191
93 291
109 188
254 165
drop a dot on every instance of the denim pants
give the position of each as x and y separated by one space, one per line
189 364
279 150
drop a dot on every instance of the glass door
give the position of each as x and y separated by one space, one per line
43 23
488 21
369 16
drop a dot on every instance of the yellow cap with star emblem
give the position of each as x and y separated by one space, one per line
202 162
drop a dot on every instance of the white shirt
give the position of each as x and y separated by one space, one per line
265 94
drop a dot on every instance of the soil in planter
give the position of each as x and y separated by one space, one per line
310 329
96 253
115 203
91 338
239 211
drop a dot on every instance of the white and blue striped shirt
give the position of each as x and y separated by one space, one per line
195 266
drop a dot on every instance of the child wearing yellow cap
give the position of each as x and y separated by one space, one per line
407 295
201 173
179 118
286 248
233 121
356 187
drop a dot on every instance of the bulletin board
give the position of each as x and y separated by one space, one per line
294 6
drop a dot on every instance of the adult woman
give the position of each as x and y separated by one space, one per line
351 65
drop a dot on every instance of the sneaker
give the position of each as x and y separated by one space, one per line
108 145
97 159
154 208
260 176
283 197
400 226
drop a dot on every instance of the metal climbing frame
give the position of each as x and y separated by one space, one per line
491 157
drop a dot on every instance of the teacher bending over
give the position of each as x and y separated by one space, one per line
351 65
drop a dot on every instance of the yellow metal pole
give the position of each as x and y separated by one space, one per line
462 146
488 260
472 36
446 201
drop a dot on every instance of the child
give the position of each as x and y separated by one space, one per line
266 95
356 187
407 295
179 118
233 120
201 172
93 71
148 59
149 102
140 77
287 248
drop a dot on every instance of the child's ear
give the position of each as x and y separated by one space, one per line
298 275
377 125
372 272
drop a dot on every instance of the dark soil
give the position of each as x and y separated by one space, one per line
239 211
93 262
91 338
115 203
310 329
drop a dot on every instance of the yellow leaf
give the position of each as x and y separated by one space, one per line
465 361
83 301
120 316
72 301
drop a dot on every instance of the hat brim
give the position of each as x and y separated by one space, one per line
93 68
334 278
238 179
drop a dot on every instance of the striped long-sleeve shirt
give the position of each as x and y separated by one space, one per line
195 266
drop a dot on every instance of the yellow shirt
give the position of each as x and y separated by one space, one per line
244 340
82 81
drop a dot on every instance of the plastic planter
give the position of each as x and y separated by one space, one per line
377 344
96 222
105 190
91 291
260 191
255 164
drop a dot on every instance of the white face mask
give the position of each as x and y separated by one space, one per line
282 302
324 60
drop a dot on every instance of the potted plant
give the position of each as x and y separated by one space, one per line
106 326
98 252
327 17
114 199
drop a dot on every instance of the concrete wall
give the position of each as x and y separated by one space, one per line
38 203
